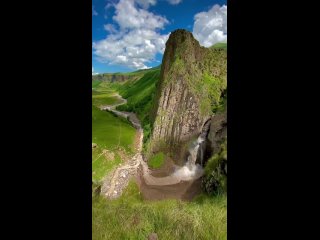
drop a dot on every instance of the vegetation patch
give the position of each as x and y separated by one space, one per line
220 45
101 166
157 160
215 179
96 83
109 133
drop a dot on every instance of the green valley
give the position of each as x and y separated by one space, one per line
159 147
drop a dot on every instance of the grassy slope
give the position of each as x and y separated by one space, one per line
95 83
108 132
129 217
140 95
220 45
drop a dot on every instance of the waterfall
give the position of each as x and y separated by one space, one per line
191 170
194 151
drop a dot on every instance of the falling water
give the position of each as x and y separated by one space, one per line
192 170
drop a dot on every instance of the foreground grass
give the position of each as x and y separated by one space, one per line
129 217
157 160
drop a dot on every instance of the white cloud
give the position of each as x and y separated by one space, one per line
146 3
109 5
94 12
174 2
129 16
211 27
110 28
138 39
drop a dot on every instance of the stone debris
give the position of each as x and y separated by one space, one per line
153 236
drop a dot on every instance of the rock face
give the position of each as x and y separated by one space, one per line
191 81
218 132
216 178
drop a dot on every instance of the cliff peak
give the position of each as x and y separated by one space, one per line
191 82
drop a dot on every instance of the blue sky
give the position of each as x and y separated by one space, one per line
128 35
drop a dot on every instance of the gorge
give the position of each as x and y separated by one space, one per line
187 118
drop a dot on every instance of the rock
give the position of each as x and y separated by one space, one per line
183 103
94 145
153 236
217 132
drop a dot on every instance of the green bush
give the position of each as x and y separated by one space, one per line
215 178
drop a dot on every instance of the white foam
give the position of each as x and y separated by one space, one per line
188 172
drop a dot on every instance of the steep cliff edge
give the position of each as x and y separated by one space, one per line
192 80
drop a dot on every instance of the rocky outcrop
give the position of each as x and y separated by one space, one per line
191 81
215 178
218 132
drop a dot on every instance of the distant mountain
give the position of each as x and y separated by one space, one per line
122 77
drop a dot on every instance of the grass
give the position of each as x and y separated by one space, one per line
109 132
129 217
140 94
220 45
102 166
157 160
95 83
104 98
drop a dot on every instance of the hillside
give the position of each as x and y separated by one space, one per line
122 77
139 91
220 45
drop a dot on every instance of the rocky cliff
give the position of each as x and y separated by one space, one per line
191 82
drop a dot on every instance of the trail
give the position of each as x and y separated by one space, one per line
116 182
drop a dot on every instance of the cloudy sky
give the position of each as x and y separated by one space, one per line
131 34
